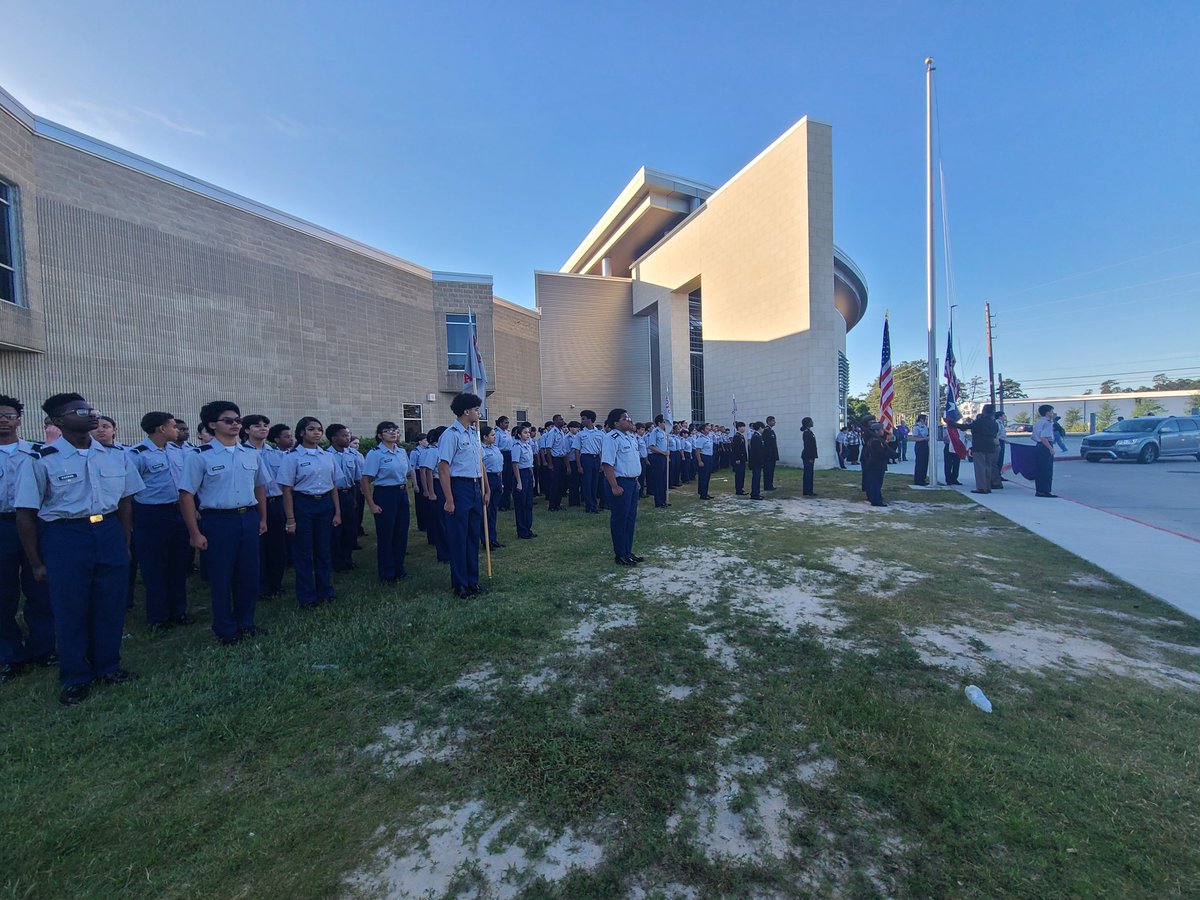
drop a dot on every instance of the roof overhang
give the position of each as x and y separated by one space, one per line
648 207
849 288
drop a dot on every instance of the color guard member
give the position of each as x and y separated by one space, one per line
312 510
523 456
348 472
458 475
621 464
385 478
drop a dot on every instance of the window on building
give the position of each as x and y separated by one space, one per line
458 340
412 421
9 282
696 342
843 387
522 415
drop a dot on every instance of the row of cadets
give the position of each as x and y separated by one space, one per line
702 447
558 448
312 510
738 456
504 443
464 495
414 457
589 444
385 478
73 513
658 446
621 465
272 443
18 651
493 466
431 489
523 454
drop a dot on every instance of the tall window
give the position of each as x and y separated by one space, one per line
843 387
458 340
8 244
522 415
412 421
696 342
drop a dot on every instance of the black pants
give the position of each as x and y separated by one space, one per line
952 462
921 467
739 477
345 536
756 483
769 475
809 465
1044 460
874 479
558 481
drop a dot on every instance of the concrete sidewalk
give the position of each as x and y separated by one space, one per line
1161 563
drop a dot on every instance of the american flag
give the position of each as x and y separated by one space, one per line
951 379
887 391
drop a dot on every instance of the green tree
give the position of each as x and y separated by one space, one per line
1073 420
1011 390
856 408
1106 414
1109 386
910 385
1193 402
1022 417
1148 406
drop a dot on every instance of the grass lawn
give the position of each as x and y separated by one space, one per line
771 705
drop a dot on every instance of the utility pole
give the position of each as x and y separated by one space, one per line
987 321
1001 407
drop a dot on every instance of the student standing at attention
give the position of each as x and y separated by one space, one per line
523 452
384 485
465 497
621 465
311 509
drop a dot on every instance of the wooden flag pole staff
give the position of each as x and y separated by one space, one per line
487 538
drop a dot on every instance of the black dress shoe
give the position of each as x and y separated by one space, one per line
232 639
9 671
46 660
74 693
623 561
525 537
160 627
631 560
462 593
497 546
1045 495
184 619
476 589
121 676
533 534
636 558
253 632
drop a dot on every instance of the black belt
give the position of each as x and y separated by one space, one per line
210 511
348 490
464 478
7 517
390 487
314 496
274 499
156 505
589 454
82 520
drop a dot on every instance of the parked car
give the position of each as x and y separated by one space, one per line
1020 428
1145 439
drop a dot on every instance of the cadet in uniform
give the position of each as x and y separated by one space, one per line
228 481
384 479
458 475
414 459
574 466
657 445
920 439
703 444
621 465
770 453
522 463
16 574
275 552
808 455
312 510
755 456
591 442
80 491
559 447
434 516
159 535
504 443
493 465
348 472
737 458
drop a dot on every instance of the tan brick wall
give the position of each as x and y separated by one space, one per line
518 376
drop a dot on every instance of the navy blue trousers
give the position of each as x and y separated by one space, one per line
739 477
463 531
16 576
1043 460
874 480
591 479
658 479
311 550
921 466
496 488
345 536
523 504
232 563
437 522
809 466
769 475
508 480
558 481
704 475
87 567
756 482
163 555
273 549
391 531
623 517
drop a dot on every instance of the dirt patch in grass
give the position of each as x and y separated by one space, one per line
406 744
464 850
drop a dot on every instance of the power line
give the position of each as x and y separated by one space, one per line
1115 265
1115 290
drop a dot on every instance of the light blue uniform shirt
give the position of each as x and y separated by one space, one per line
348 467
918 431
657 438
1043 428
493 460
458 447
272 457
223 477
504 441
13 458
673 443
522 454
643 446
414 457
620 451
591 440
560 443
574 442
158 474
388 468
703 443
308 470
66 483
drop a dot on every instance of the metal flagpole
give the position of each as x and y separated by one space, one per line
935 414
474 367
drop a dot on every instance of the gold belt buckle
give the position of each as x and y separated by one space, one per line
94 519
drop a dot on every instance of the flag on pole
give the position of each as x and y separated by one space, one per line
670 419
734 412
1024 461
475 371
951 412
887 390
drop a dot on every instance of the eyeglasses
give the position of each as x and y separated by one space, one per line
82 412
10 415
230 420
389 431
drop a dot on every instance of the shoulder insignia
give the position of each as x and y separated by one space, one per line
247 445
203 447
293 450
40 452
140 448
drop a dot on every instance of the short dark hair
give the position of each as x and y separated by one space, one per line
436 433
806 422
254 419
420 436
385 425
501 419
211 411
588 414
1044 408
13 402
484 430
574 425
518 428
988 409
277 430
614 416
110 420
53 404
203 428
152 421
660 420
770 418
463 402
304 422
739 424
331 430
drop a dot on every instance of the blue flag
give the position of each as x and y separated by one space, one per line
1023 460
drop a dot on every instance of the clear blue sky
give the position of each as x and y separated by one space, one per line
489 137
